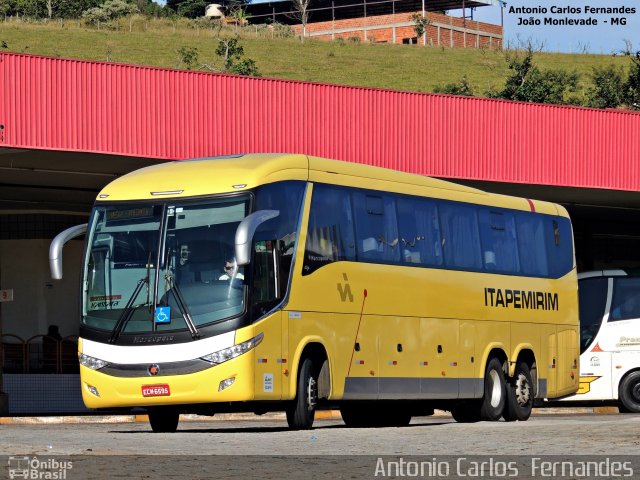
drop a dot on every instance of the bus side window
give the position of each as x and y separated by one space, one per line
376 227
460 236
625 304
330 235
531 244
499 246
419 230
559 246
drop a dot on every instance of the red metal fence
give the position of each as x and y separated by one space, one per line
60 104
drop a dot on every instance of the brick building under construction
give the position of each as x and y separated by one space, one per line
386 21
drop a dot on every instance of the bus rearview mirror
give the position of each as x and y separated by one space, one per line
245 232
55 249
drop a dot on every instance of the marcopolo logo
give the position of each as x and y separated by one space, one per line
36 468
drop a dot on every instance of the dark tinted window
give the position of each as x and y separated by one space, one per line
460 236
419 230
559 246
376 227
499 244
592 294
625 304
531 244
330 235
274 239
401 229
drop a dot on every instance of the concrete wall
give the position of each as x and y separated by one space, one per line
39 301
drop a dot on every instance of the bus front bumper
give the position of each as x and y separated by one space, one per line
230 381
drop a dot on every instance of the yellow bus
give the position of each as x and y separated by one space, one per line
271 282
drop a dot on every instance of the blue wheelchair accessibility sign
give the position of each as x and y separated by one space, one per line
163 314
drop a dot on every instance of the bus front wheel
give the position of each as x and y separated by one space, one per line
519 395
302 412
494 397
629 393
164 419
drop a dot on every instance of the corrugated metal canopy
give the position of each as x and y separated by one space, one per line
142 115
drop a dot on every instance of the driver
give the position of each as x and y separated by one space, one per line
229 267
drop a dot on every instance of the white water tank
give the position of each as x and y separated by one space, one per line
213 10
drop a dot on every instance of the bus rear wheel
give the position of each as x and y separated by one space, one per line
301 413
494 398
164 419
629 393
519 395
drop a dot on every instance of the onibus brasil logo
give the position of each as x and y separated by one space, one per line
41 469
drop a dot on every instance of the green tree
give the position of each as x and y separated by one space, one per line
31 8
109 11
72 8
632 84
528 83
7 7
420 24
239 16
246 67
232 54
463 87
187 57
192 8
607 87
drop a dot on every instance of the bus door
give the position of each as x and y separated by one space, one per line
621 333
595 295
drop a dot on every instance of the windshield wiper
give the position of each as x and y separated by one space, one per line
182 305
127 311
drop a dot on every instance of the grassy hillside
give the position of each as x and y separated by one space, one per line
403 67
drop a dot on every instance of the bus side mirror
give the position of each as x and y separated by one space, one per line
55 249
245 231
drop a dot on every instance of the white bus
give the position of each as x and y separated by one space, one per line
610 339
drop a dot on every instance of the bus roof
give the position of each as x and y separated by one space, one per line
215 175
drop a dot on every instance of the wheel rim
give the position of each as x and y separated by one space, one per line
635 392
496 389
523 390
312 394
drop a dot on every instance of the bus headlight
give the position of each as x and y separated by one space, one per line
91 362
220 356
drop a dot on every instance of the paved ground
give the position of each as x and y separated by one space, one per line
131 450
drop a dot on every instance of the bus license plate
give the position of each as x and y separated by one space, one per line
156 390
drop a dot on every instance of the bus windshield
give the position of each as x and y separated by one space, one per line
163 267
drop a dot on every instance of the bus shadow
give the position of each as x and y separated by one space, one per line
276 429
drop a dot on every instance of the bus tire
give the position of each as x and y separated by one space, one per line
495 390
519 395
629 393
302 412
466 412
164 419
